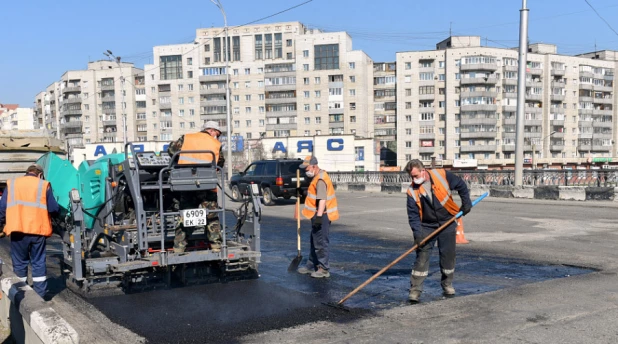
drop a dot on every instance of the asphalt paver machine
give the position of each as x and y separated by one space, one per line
120 212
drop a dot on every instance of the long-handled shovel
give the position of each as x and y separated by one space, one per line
296 261
377 274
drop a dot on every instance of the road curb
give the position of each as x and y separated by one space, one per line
31 319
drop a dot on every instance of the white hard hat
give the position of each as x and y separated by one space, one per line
211 125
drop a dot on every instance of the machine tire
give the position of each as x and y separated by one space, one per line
236 194
268 196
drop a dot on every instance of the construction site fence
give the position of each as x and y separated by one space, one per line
590 178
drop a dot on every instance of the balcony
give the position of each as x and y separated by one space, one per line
286 126
479 107
338 124
426 96
286 87
218 102
478 135
533 135
558 135
478 121
107 87
283 73
603 136
335 111
508 148
585 111
510 121
213 117
509 95
165 106
71 124
559 110
559 84
219 77
110 135
510 68
599 112
599 124
583 86
427 136
533 122
111 122
108 98
291 100
534 71
109 111
72 100
466 94
557 123
557 97
72 89
535 97
603 100
608 76
74 112
509 82
479 81
271 114
477 148
212 90
584 147
73 136
478 66
556 147
558 72
586 74
602 88
587 99
509 108
531 83
601 148
426 149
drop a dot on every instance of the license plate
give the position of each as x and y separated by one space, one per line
194 217
302 179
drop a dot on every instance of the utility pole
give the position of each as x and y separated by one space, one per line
226 49
521 95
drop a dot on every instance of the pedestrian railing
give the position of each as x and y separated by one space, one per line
589 178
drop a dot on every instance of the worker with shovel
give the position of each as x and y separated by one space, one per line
430 204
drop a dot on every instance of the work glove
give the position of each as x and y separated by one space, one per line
299 191
317 220
418 238
465 209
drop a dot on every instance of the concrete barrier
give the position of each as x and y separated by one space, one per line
31 319
572 193
546 192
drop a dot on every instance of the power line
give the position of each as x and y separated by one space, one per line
603 19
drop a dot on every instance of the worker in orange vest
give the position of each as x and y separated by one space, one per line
26 208
207 139
321 209
430 204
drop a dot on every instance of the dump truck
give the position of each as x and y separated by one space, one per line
22 148
118 219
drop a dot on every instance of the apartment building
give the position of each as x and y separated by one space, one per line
459 102
385 111
88 105
13 117
285 80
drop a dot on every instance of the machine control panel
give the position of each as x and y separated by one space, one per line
151 159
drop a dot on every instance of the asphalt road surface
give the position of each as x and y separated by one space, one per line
519 251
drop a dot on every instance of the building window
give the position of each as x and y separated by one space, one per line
352 106
326 56
318 94
306 81
408 65
352 65
278 46
352 119
307 120
258 47
305 67
305 53
318 107
288 42
307 107
171 67
352 92
408 144
247 97
189 61
318 120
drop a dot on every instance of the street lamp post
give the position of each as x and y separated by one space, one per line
521 100
226 51
533 144
109 53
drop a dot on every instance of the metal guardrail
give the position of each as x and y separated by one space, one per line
598 178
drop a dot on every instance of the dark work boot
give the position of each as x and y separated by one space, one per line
414 296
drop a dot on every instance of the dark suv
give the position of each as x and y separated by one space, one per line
276 178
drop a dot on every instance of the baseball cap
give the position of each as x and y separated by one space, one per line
35 167
309 160
211 125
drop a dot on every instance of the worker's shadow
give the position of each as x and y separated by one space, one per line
56 283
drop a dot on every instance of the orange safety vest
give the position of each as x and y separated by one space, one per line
199 141
331 200
26 206
440 188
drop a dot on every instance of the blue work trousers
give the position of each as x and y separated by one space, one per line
30 249
319 243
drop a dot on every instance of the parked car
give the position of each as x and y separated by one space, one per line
276 178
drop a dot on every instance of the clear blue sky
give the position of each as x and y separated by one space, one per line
42 39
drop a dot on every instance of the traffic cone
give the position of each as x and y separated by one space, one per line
460 238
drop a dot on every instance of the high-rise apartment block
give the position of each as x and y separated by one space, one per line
459 102
455 102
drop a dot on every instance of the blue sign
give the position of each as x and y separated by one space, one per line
100 149
238 143
332 145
